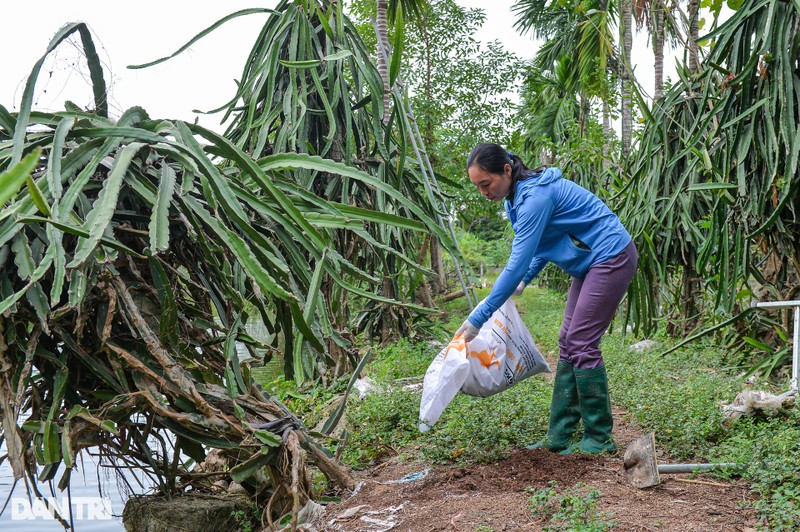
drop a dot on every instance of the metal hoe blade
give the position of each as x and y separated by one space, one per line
640 462
642 469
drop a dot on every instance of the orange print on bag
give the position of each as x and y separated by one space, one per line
487 359
456 343
500 325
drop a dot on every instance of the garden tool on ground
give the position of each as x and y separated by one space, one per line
642 468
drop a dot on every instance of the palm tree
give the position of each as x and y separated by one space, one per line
550 108
694 55
584 33
658 49
657 16
381 22
626 36
387 11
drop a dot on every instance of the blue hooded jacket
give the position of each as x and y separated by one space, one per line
554 220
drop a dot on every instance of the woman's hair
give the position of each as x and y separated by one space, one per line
492 158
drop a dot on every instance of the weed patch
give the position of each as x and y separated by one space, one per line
572 509
470 430
401 360
679 396
770 453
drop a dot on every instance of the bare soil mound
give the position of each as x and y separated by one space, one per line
495 497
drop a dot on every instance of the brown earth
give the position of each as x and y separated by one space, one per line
494 497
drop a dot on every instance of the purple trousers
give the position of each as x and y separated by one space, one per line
591 305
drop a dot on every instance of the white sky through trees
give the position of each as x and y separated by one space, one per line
202 78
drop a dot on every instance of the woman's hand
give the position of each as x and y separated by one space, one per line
520 287
468 330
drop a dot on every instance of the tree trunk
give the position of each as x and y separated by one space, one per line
584 113
381 22
658 51
386 328
338 320
606 132
440 280
453 295
425 292
694 32
383 54
428 124
625 76
424 295
690 293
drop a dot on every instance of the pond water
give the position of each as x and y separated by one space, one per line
97 496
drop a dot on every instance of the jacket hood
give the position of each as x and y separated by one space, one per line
524 187
545 178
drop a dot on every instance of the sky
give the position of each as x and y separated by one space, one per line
201 78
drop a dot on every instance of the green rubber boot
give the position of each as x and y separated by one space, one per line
595 410
564 413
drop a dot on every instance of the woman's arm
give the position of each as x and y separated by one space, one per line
537 265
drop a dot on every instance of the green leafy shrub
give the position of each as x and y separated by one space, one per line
402 359
769 450
573 509
309 403
492 252
383 424
677 395
470 430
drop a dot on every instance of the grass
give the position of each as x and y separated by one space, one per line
677 395
571 509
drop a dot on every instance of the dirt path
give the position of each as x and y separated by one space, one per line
493 497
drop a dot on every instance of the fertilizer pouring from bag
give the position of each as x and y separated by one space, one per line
501 355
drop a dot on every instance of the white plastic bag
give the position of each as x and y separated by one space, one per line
500 356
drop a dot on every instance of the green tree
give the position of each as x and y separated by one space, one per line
582 31
553 126
460 92
387 11
326 99
550 109
626 73
693 35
